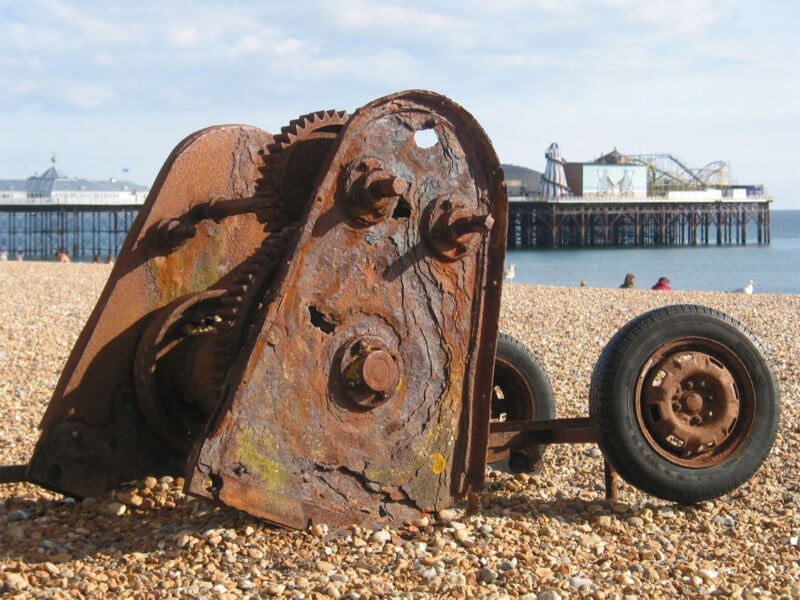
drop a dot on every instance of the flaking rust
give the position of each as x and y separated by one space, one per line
365 397
296 322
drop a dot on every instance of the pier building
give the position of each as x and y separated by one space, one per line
46 213
634 200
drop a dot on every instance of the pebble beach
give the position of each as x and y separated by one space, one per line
539 537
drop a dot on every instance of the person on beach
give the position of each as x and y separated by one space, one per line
630 280
661 284
62 256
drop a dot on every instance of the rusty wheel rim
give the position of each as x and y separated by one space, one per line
695 402
512 400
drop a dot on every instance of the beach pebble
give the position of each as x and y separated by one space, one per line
381 536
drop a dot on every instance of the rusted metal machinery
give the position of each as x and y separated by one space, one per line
306 326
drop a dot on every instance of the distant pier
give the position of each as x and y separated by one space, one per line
47 213
85 231
578 222
82 231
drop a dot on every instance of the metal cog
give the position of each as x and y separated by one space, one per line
295 157
292 165
322 123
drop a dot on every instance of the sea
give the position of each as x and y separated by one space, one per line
774 268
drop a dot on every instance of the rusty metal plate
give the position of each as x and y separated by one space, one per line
362 394
95 434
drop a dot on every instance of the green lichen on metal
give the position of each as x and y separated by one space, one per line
431 455
188 269
253 453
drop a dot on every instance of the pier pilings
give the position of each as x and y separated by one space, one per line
83 231
578 223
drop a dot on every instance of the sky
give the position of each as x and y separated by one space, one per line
110 87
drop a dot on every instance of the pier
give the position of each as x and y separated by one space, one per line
633 201
83 231
46 213
88 230
576 222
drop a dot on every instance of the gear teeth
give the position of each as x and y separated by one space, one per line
281 220
298 126
310 122
329 121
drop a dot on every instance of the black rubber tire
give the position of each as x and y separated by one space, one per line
642 363
521 391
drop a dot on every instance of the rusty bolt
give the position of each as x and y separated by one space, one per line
472 224
370 373
372 191
381 186
453 230
379 371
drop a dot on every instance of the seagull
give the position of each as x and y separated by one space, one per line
508 274
747 289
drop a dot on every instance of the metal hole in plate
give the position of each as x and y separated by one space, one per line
426 138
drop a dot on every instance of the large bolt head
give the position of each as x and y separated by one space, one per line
379 372
452 229
369 371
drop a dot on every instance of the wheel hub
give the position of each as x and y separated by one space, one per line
689 404
693 403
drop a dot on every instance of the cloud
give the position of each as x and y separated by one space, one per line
184 36
671 17
250 44
83 95
58 21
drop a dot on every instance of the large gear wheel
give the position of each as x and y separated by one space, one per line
291 167
175 409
